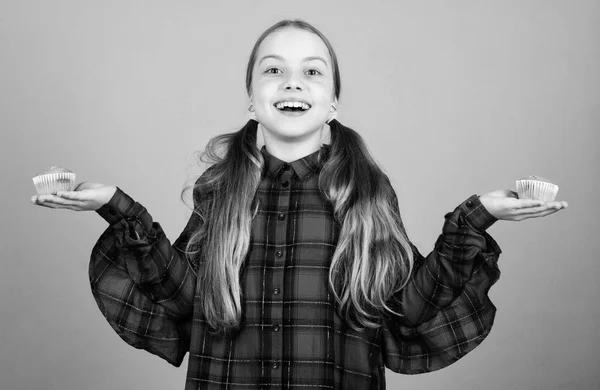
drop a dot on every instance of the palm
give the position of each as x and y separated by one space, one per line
506 205
86 196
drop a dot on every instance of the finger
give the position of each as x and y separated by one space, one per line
522 213
58 201
45 198
54 205
538 211
59 206
72 195
74 208
527 203
559 204
44 204
539 214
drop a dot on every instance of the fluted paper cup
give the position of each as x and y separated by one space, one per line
535 187
50 182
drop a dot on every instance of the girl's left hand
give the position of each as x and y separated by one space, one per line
506 205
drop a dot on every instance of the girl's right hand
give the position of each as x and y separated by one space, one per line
87 196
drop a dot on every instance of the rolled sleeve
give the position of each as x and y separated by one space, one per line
118 207
476 215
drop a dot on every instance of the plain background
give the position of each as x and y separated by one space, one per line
452 98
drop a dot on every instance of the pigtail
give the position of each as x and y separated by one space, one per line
373 258
226 202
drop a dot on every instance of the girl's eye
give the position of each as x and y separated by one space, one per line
313 72
272 70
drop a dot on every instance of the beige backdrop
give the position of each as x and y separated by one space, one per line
452 98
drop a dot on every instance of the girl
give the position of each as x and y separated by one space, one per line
295 270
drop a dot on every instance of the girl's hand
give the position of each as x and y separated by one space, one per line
86 196
506 205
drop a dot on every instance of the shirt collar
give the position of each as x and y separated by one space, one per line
303 167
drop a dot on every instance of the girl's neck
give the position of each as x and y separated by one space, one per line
292 149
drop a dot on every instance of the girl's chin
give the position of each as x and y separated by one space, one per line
304 117
289 126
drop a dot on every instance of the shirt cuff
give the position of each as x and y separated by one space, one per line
118 207
475 214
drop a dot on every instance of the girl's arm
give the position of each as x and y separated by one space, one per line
438 279
143 285
447 311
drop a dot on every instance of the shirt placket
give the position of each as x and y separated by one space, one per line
280 254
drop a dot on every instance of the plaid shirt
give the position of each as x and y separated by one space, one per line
292 337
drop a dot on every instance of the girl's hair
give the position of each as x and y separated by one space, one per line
373 258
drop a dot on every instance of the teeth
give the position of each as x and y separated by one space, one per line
281 105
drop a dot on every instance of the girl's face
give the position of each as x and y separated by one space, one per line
292 66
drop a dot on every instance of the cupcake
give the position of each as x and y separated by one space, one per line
536 187
54 179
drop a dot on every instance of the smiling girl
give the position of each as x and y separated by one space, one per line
294 269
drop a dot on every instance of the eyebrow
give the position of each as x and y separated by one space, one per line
306 59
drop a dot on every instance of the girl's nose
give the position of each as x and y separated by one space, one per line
292 86
293 83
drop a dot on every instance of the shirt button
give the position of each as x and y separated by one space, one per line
285 184
470 204
276 365
286 167
276 327
281 217
279 253
276 291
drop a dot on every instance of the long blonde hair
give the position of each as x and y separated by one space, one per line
373 257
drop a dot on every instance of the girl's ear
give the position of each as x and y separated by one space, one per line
251 114
332 112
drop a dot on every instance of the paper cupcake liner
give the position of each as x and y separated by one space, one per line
535 189
48 183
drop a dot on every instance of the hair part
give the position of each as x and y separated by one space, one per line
373 258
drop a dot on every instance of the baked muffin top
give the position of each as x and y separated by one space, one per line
54 169
535 177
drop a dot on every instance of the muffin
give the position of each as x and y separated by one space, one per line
54 179
536 187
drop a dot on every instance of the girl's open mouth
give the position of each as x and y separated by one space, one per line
292 108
